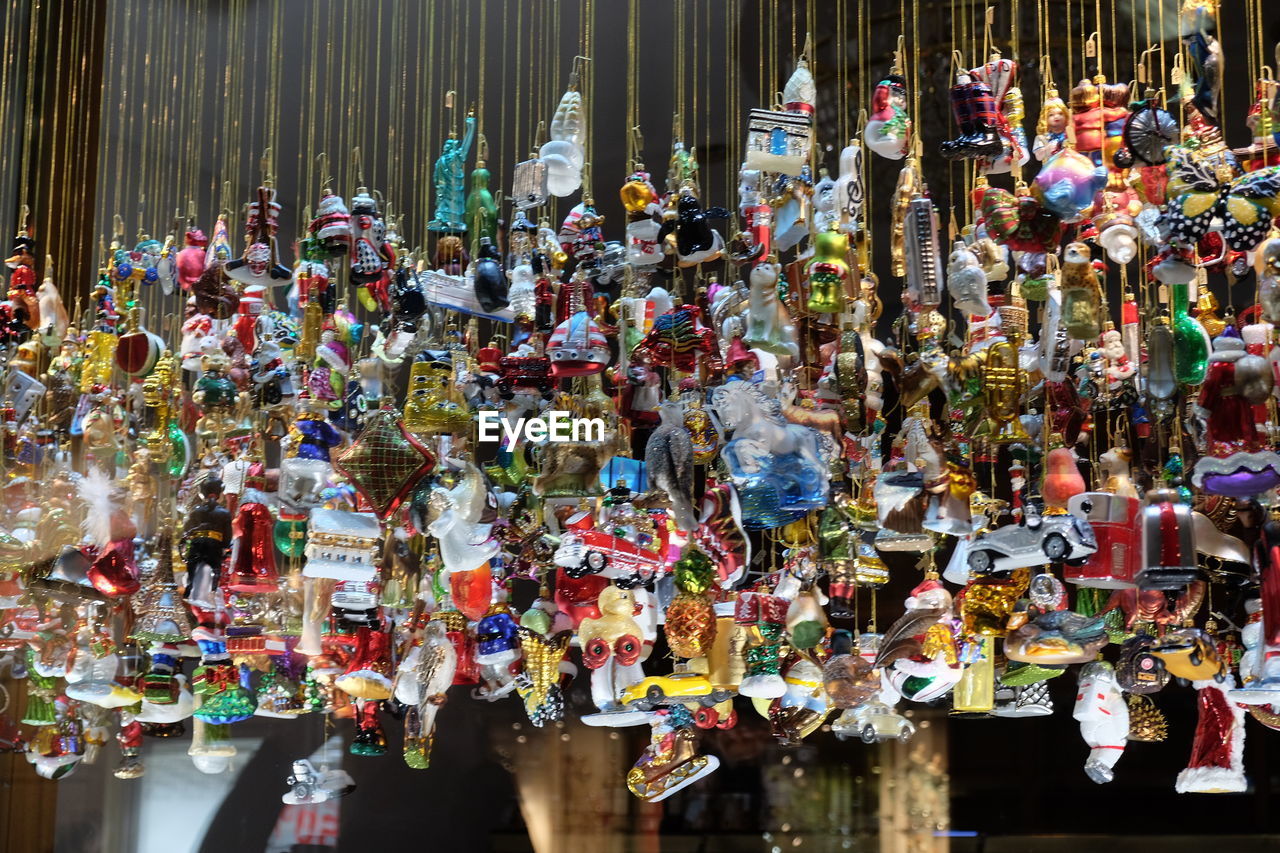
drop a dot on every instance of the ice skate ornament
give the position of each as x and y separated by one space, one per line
769 324
974 106
1001 75
260 263
450 181
465 541
1104 719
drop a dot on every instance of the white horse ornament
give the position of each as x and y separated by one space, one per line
465 541
779 468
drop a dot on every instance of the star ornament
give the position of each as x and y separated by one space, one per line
385 462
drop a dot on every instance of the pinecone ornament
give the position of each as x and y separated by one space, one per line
1146 721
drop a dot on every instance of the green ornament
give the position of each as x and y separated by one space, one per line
290 535
1190 340
694 572
482 211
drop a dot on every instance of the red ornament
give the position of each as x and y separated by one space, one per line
385 462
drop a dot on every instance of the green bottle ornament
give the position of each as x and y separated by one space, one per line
1190 340
482 210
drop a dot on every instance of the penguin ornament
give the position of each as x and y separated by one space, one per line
696 241
489 280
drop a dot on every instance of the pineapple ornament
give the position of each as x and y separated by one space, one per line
691 618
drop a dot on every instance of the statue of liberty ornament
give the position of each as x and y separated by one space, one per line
449 177
1104 720
1238 461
